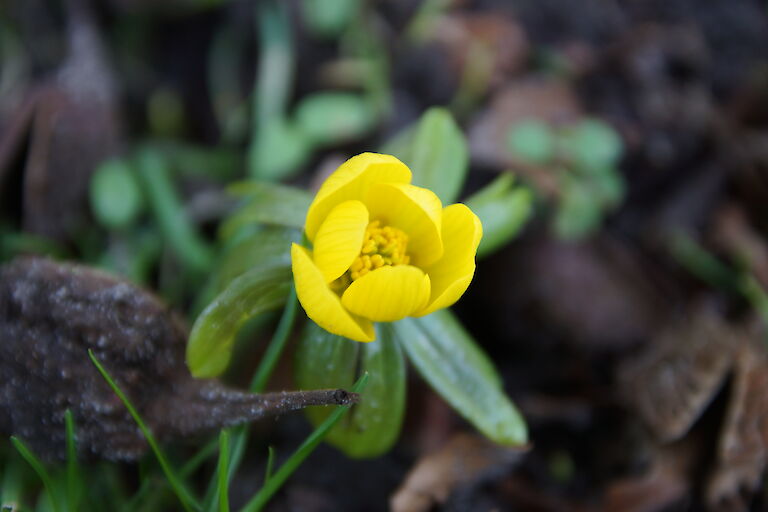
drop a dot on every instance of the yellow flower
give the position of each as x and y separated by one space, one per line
383 249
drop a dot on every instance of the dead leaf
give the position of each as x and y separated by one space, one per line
672 383
665 483
51 314
742 450
463 461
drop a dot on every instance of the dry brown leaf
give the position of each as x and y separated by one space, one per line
743 445
666 482
671 384
464 460
52 314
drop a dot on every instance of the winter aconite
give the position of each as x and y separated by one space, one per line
383 249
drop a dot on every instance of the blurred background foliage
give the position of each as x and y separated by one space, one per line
615 152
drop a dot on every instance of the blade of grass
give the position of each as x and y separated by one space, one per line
270 464
39 468
294 461
239 438
185 497
223 488
73 471
276 346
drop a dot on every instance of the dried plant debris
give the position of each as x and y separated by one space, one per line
73 123
681 373
464 462
51 314
742 450
665 483
671 384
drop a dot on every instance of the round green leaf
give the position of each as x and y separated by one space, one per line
532 141
116 198
278 151
592 145
329 118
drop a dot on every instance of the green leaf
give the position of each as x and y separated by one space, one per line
267 203
532 141
276 481
223 475
328 18
329 118
187 244
39 468
324 360
260 246
177 484
278 150
592 145
503 211
259 290
437 154
579 213
116 199
456 368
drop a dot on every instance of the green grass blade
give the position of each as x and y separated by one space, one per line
223 485
270 464
239 438
276 346
73 471
39 469
308 446
185 497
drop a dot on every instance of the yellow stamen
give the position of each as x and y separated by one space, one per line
382 245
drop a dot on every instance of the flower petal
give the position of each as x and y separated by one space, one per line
416 211
351 181
321 304
340 238
451 275
388 293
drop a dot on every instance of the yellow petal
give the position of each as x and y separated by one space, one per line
321 304
388 293
414 210
451 275
340 238
351 181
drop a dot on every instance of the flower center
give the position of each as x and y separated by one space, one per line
382 245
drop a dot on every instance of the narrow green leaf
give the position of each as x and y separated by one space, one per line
267 203
270 463
223 464
178 486
73 471
503 210
177 229
39 468
210 344
329 118
438 155
456 368
324 360
294 461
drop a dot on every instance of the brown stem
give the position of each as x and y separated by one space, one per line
207 406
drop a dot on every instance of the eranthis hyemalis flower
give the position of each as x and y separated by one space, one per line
383 249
